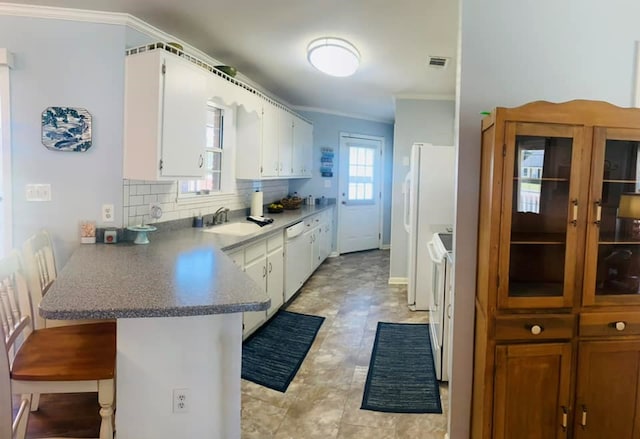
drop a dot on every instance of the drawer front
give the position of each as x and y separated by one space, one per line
274 242
535 327
255 251
609 324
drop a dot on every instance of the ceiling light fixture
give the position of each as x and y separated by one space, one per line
333 56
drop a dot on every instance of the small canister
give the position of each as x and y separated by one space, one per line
310 200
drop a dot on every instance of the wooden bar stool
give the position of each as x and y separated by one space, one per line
66 359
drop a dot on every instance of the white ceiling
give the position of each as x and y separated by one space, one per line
267 40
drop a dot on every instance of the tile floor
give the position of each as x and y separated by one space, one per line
323 400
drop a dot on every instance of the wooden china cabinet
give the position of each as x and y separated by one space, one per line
557 339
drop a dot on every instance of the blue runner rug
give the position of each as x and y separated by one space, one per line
402 377
272 356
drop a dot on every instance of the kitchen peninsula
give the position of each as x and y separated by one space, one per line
178 302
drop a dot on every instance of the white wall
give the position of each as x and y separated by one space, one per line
416 121
64 63
512 53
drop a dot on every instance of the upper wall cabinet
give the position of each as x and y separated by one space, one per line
165 117
274 144
302 149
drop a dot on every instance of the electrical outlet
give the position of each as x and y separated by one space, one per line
180 400
107 213
155 211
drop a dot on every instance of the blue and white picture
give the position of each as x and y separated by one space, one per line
66 129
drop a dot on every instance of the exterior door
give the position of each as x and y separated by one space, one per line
532 391
359 211
607 403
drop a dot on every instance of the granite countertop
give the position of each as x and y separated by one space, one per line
179 273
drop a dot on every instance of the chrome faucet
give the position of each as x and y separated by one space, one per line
217 217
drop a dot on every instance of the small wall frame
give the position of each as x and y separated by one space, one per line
66 129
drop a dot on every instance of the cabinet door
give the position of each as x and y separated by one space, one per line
541 200
612 274
315 247
607 404
302 147
285 142
184 111
275 280
532 391
270 160
325 241
256 270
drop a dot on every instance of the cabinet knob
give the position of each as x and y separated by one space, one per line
620 326
536 329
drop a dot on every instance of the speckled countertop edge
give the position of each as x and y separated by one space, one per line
104 281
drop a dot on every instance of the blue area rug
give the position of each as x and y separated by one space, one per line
402 377
272 356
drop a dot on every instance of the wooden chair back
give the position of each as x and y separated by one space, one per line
40 268
15 326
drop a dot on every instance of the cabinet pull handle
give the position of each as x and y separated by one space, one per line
574 219
535 329
565 416
583 421
270 267
619 326
598 204
264 271
200 161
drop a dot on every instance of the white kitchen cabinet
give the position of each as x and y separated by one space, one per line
263 262
270 145
255 256
268 150
165 117
302 149
275 274
326 237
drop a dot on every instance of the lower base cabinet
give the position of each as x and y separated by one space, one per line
607 401
533 398
532 391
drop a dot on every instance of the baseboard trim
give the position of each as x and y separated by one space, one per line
334 255
385 247
398 281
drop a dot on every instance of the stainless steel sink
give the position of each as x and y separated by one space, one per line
233 229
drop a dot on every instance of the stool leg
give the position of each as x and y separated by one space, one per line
106 395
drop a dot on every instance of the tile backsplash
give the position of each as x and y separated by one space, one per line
138 195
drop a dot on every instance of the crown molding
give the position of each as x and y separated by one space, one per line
426 97
57 13
343 114
99 17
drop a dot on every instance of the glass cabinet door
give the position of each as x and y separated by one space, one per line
540 215
612 271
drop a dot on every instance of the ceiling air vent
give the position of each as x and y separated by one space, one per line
438 62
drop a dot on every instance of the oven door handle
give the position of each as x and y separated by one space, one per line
433 253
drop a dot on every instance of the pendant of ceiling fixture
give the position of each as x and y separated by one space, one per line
333 56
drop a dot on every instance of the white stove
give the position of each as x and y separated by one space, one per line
441 301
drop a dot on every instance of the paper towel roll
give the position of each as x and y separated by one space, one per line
256 203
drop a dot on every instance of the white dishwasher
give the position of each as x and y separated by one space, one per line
297 259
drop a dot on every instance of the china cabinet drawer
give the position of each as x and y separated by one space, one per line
609 324
534 327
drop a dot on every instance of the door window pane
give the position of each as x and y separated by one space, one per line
361 166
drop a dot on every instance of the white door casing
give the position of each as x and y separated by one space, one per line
6 241
359 192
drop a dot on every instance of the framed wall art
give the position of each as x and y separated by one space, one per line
66 129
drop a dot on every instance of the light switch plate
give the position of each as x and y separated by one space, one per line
38 192
327 183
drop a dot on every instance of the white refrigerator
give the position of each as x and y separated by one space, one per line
428 208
